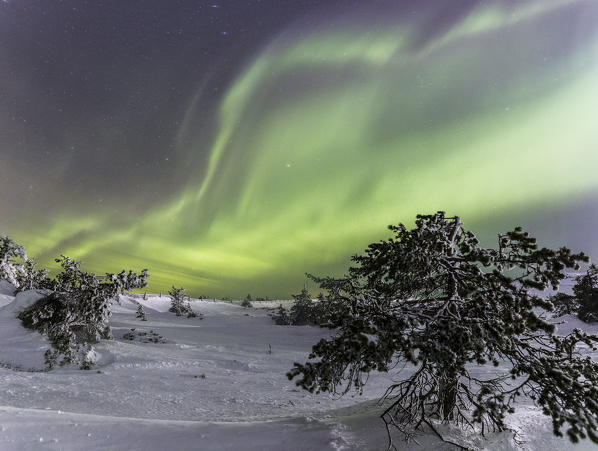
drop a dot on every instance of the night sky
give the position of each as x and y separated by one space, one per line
232 146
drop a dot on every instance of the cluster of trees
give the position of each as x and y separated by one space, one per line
434 302
74 310
430 300
248 301
305 310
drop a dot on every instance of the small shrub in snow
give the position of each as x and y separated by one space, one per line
179 304
143 336
247 302
433 298
75 313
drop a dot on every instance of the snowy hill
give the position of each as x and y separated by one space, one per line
215 382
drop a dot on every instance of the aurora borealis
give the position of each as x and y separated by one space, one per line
230 147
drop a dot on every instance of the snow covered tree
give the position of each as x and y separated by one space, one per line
564 304
583 301
75 314
140 313
247 302
128 280
281 317
434 302
586 294
17 269
31 278
304 310
10 251
178 303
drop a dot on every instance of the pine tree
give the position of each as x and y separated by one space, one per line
281 317
178 305
303 310
17 269
564 304
9 252
75 314
583 301
140 313
31 278
247 302
586 294
433 298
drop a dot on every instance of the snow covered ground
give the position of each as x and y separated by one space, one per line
216 383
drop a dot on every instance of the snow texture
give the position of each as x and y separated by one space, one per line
213 384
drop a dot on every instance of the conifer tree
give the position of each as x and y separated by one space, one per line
31 278
9 252
75 314
179 304
586 294
433 298
303 310
247 302
17 269
583 301
140 313
281 317
564 304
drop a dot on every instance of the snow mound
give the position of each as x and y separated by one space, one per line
7 288
21 349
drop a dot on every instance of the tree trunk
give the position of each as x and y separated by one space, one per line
447 395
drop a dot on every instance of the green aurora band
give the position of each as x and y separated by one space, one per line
496 115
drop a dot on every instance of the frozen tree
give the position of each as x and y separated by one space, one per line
17 269
128 280
75 314
583 301
434 302
31 278
281 317
586 294
179 304
140 313
564 304
10 251
247 302
304 310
